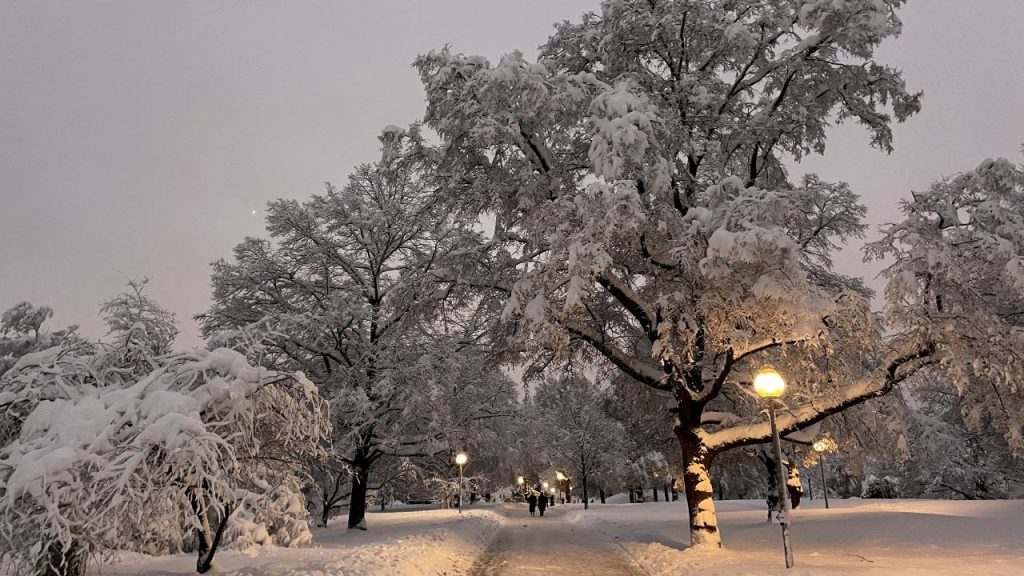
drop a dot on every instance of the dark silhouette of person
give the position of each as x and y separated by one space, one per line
793 485
532 500
542 503
552 500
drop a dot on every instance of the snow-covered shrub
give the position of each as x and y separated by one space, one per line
270 515
140 466
47 374
880 487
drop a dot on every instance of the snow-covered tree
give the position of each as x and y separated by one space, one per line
581 436
22 332
137 321
465 405
642 209
957 285
24 318
102 467
339 293
954 450
650 469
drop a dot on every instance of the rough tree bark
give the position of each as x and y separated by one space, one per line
700 503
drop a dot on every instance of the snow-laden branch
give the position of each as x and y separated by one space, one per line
628 363
878 384
629 300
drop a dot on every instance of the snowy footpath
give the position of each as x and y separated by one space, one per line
402 543
552 544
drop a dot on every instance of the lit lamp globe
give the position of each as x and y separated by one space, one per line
560 476
769 384
819 445
545 485
461 458
520 480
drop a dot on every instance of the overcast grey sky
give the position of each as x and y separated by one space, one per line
136 138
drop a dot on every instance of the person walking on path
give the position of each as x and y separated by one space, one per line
542 503
532 500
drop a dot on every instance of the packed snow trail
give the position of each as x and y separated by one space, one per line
549 545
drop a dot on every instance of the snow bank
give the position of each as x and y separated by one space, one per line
855 537
419 543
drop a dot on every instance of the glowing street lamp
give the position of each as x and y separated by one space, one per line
820 446
769 384
563 484
461 458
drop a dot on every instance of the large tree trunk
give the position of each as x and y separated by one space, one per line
357 502
586 497
697 485
600 492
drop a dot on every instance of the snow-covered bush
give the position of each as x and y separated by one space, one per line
142 465
648 469
270 516
880 487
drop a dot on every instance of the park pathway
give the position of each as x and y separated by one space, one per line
550 545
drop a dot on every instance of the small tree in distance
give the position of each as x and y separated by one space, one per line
577 432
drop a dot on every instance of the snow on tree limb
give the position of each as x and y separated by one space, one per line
816 410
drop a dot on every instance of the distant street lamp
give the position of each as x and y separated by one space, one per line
820 447
563 485
461 458
769 384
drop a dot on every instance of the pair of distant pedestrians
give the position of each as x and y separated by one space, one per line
537 502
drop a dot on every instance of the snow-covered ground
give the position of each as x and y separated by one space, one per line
403 543
854 537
